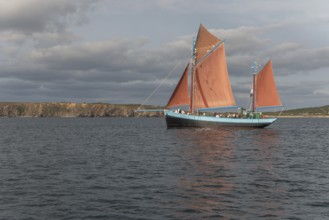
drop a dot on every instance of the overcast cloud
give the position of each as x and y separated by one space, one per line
119 51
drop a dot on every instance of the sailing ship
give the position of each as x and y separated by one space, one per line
210 90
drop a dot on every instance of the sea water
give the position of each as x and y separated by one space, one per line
135 168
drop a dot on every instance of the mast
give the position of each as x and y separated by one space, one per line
192 76
253 92
255 67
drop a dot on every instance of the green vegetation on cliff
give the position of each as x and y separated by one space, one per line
314 111
68 109
322 111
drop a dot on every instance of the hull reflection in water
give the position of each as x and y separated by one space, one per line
224 181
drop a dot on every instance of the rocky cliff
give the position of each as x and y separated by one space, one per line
19 109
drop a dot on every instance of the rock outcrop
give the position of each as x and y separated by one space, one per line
64 109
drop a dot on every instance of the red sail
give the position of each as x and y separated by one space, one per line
204 42
265 89
180 95
212 83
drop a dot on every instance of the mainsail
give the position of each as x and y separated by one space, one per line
212 83
180 95
211 87
266 94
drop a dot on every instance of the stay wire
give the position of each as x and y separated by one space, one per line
158 87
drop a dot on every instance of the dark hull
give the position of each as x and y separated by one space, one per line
178 122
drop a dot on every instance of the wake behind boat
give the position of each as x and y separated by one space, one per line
210 90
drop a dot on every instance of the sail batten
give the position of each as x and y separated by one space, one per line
266 94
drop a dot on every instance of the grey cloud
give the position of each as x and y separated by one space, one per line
243 40
37 15
121 59
40 23
298 58
19 40
49 39
109 71
247 44
302 93
243 46
59 65
73 90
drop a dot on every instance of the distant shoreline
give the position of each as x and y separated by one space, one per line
308 116
72 110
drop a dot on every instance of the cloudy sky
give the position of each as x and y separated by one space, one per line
119 51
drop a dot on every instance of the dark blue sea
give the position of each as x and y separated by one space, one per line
135 168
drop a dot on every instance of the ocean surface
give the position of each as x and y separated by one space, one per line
135 168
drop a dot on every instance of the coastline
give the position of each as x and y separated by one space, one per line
304 116
72 110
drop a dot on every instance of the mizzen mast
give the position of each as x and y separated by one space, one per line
255 67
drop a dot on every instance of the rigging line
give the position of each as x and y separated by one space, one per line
158 87
281 111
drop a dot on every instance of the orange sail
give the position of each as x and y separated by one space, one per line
204 42
212 86
265 89
180 95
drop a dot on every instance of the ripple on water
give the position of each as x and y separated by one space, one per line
134 168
